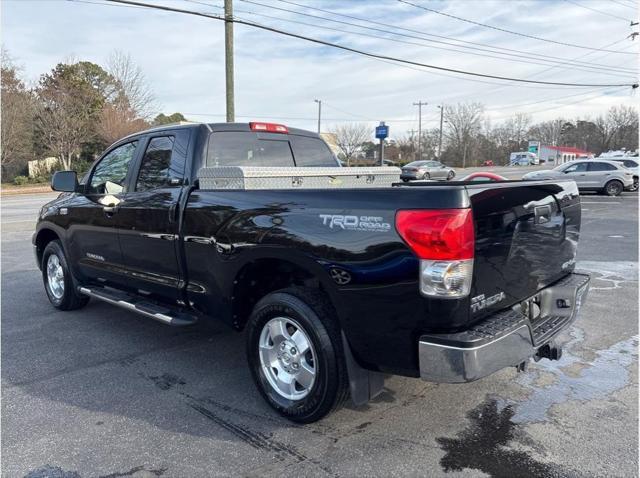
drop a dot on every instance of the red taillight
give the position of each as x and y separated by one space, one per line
269 127
439 234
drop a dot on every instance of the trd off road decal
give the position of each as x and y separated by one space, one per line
355 223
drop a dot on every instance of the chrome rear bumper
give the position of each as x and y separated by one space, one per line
506 338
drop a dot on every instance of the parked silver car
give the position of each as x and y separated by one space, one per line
427 170
595 175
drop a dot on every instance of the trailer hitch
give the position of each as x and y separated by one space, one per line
549 351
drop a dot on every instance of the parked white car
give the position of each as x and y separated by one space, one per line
608 177
632 165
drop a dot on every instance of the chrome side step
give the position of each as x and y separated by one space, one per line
140 305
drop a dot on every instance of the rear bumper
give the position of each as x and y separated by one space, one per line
409 176
505 339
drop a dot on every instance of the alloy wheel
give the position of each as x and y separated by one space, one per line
287 358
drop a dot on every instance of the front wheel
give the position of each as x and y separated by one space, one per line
295 354
613 188
58 281
634 186
451 175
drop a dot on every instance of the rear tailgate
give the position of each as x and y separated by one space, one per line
526 239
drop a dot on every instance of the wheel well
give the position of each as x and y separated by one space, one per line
44 237
257 279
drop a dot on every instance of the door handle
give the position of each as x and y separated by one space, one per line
110 210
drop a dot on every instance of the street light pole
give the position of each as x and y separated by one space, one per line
440 135
319 113
228 59
419 104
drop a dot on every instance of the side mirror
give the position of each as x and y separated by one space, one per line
65 181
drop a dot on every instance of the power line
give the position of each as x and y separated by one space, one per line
623 4
362 52
573 45
586 68
583 66
546 100
304 118
584 55
488 48
598 11
563 105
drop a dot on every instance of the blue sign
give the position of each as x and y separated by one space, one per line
382 131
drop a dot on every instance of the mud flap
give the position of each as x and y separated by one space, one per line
363 384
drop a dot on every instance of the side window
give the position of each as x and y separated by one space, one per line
576 168
110 173
311 152
155 168
601 167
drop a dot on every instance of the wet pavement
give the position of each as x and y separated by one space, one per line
101 392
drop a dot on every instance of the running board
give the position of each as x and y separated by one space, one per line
140 305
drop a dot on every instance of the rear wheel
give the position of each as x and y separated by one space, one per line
451 175
58 281
426 176
613 188
295 354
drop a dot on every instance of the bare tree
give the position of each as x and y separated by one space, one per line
65 124
349 138
617 127
131 84
16 124
117 121
548 132
464 122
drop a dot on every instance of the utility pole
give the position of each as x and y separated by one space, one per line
440 135
419 104
228 59
319 113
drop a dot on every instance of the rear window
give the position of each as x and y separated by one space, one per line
231 148
311 152
244 148
628 163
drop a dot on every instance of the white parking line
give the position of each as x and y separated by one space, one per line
599 202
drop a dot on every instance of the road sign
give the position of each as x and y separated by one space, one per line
382 131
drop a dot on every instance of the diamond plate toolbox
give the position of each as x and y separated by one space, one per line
251 177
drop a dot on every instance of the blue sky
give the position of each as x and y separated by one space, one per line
278 77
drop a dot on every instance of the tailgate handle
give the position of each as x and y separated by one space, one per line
542 214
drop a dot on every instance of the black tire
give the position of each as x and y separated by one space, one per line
69 298
451 175
405 180
634 186
314 313
613 188
426 176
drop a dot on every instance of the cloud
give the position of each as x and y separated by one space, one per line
279 77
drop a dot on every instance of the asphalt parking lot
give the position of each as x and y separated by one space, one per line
101 392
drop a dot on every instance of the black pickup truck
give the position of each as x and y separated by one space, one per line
333 286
